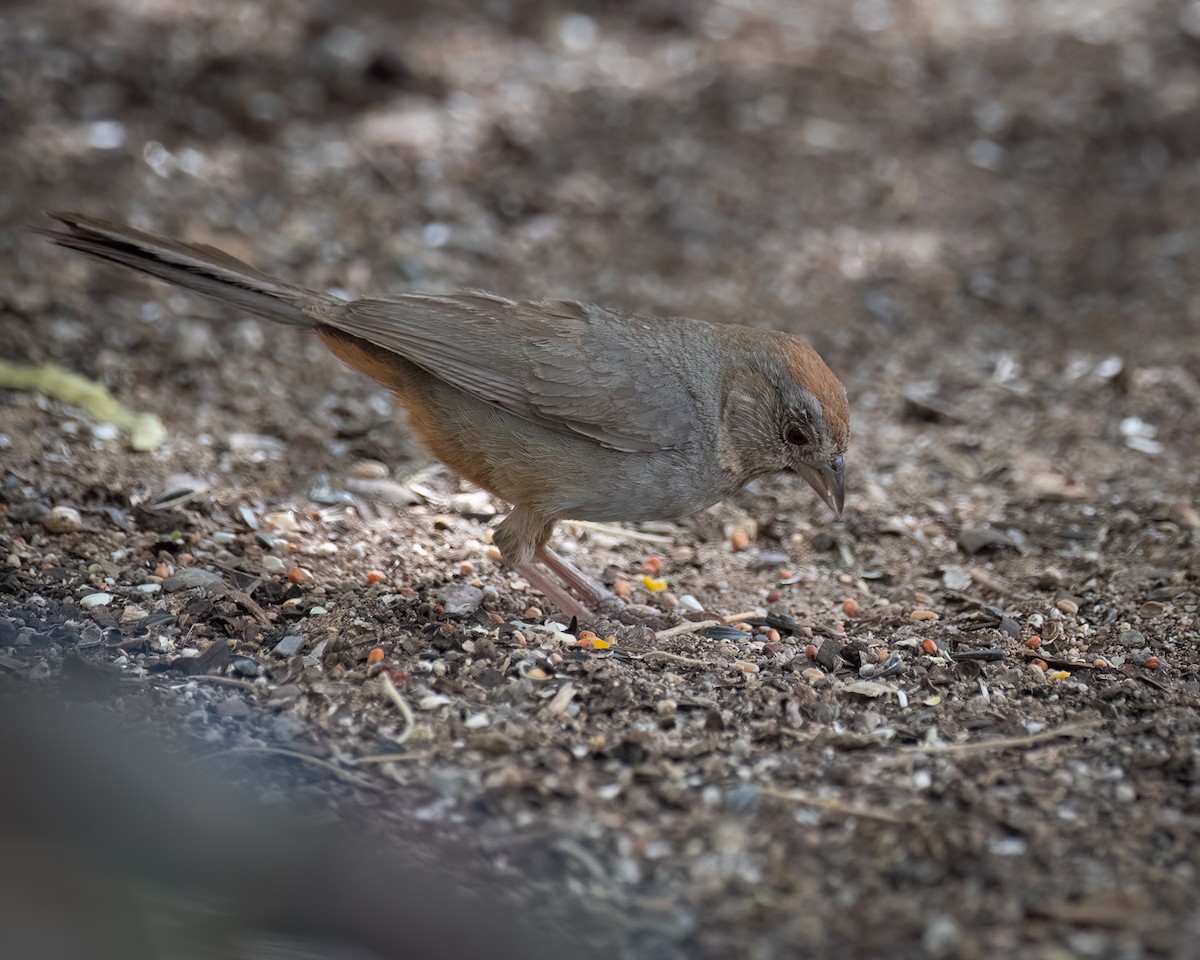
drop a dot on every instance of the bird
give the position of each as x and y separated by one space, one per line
563 409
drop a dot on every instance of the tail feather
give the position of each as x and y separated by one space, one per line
198 267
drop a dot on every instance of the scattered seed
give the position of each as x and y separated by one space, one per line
654 586
1152 663
1069 607
929 646
785 574
1040 664
375 656
298 575
533 613
162 570
653 566
1033 642
1152 609
376 576
772 635
62 520
810 652
774 596
850 607
746 666
920 615
622 588
466 568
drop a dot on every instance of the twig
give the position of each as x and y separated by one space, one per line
696 625
228 682
393 694
295 755
833 805
673 657
389 757
1005 743
613 531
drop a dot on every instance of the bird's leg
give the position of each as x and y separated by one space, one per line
552 590
593 592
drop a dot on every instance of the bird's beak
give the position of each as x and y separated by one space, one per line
829 480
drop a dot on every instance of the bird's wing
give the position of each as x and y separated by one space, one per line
564 365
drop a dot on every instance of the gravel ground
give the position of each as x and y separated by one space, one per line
960 722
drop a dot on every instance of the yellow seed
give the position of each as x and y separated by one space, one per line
654 586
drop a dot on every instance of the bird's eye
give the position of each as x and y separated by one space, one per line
797 436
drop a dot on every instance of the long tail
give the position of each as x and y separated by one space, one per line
195 266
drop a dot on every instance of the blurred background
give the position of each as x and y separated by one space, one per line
982 212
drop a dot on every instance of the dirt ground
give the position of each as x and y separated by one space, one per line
983 216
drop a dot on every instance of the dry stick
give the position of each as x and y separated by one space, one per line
296 755
390 757
673 657
614 531
833 805
393 694
695 625
1006 743
228 682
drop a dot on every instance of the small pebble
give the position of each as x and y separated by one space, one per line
1152 609
533 613
1152 663
288 646
317 612
148 587
653 566
666 708
376 576
773 596
810 652
1040 664
920 615
494 554
298 575
812 674
623 589
162 570
466 568
850 607
369 470
272 563
746 666
1069 607
739 540
96 600
62 520
375 656
690 604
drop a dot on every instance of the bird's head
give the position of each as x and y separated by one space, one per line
783 409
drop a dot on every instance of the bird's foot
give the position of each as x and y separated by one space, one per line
594 595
